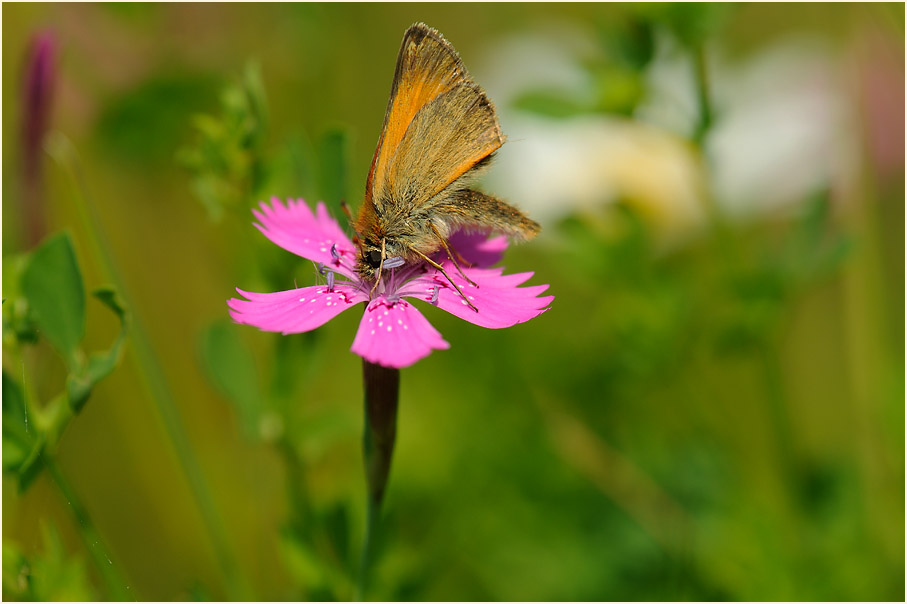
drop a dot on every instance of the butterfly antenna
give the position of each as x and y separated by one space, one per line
344 206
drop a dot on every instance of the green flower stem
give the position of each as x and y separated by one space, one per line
154 382
114 581
382 389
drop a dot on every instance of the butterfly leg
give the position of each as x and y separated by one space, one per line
443 272
452 255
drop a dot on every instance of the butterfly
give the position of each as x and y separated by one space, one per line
439 135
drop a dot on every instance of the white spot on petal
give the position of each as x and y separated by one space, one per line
373 332
389 327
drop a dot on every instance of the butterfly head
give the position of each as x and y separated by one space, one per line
376 254
369 258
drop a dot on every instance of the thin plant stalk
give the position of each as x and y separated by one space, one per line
703 99
114 581
705 120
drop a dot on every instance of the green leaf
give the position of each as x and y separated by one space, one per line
52 283
231 368
618 90
100 364
18 436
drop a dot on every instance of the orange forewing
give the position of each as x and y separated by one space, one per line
427 67
445 139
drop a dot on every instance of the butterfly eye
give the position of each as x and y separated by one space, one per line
373 258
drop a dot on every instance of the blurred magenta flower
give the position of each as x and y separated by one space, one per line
37 95
392 332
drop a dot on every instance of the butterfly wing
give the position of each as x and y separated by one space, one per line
437 126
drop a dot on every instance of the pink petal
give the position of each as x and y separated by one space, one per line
500 302
476 248
295 310
394 334
296 229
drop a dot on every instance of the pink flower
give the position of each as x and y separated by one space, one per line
392 333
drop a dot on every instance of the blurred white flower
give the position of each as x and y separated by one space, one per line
782 127
552 167
783 121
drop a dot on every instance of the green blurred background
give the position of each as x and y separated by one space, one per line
713 408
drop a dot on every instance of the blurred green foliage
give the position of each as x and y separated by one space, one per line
51 576
715 419
226 163
141 125
51 307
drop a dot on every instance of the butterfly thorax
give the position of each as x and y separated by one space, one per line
392 235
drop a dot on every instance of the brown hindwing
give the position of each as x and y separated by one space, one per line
469 208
